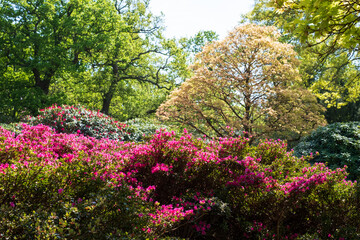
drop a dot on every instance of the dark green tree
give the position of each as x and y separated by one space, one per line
40 41
132 57
91 51
38 37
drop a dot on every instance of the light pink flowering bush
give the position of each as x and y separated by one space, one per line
78 120
59 185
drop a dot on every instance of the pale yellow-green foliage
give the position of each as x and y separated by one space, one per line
330 30
249 82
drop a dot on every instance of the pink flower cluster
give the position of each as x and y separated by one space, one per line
202 227
169 214
161 167
178 175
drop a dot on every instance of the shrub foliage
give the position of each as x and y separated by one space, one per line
138 129
78 120
338 144
69 186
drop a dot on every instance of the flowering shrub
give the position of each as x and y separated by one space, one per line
226 183
70 119
13 127
57 185
337 144
138 129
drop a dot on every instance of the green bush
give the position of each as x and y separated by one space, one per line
78 120
43 202
138 129
337 144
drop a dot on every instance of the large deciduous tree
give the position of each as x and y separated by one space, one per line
247 82
327 34
40 41
93 51
43 37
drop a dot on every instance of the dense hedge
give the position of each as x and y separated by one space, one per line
68 186
337 144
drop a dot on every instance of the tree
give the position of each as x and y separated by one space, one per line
247 82
19 98
329 32
133 52
42 41
131 57
93 51
329 70
37 35
195 44
332 22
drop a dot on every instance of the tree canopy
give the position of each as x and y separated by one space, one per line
96 53
326 34
247 82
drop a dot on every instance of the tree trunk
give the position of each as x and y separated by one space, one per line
106 102
110 93
247 117
247 103
43 83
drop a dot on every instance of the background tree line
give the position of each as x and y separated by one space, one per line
111 55
326 37
108 54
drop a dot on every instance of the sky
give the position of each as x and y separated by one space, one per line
184 18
